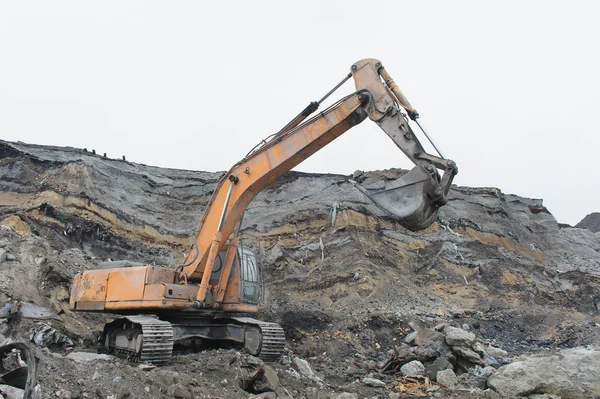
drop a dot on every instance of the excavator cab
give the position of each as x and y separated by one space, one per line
243 285
249 276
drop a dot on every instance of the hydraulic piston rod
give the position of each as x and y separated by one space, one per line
428 137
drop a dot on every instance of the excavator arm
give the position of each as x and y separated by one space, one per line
413 199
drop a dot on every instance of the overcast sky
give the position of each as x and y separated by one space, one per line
510 90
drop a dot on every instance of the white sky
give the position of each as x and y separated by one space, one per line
509 90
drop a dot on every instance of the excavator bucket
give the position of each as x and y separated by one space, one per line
411 199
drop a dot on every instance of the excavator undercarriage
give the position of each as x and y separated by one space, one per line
148 339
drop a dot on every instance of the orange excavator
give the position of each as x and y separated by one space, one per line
212 295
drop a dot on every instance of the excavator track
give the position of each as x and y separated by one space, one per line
150 340
273 338
147 339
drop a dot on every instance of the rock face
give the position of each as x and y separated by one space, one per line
590 222
571 373
343 280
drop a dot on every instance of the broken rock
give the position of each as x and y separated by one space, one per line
268 381
480 349
28 310
442 363
373 382
303 367
447 378
10 392
347 395
413 369
274 255
431 348
496 352
31 311
410 337
272 378
570 373
491 394
468 354
459 337
182 393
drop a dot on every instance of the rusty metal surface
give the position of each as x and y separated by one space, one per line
158 274
89 286
126 284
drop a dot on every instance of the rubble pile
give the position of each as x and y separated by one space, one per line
369 308
445 351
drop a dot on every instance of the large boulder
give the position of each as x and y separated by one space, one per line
571 373
414 368
459 337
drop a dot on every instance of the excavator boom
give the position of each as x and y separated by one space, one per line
413 200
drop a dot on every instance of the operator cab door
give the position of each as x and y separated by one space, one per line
249 277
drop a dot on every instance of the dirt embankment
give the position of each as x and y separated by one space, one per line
342 279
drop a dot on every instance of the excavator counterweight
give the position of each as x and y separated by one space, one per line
211 294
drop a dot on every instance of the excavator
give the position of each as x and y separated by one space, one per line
215 291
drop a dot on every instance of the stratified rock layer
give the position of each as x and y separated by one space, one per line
344 280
